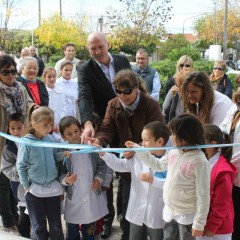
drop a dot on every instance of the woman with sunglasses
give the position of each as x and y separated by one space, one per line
125 117
220 80
13 99
35 87
184 62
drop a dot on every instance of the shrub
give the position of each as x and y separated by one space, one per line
54 58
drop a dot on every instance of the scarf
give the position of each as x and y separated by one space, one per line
216 80
13 99
131 108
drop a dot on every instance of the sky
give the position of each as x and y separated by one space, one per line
184 12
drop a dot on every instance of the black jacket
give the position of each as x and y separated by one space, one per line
95 89
42 90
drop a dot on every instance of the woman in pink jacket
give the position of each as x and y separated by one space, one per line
219 224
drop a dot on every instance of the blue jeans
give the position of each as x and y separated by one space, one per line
41 209
175 231
87 230
141 232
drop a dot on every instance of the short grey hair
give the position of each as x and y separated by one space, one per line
28 59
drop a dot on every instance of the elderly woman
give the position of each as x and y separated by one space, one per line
199 98
231 125
13 99
220 80
35 87
184 62
125 117
173 105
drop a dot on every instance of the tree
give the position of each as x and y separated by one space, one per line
9 10
209 25
139 24
54 33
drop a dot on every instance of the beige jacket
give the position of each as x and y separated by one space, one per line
4 117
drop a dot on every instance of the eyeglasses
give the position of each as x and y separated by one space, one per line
218 68
127 91
185 65
8 72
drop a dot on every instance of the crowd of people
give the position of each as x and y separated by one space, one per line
185 193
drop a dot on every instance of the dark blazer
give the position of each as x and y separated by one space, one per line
42 90
95 90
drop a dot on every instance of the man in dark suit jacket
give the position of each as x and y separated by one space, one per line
94 80
95 91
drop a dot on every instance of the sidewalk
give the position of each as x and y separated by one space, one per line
116 230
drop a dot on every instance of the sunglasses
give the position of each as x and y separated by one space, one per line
127 91
218 68
185 65
8 72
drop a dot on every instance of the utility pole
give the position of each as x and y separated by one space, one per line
60 2
39 13
100 21
225 30
215 23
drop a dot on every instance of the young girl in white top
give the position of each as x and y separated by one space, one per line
70 88
56 94
85 203
187 187
145 204
38 173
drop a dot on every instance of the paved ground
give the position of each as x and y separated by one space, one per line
116 231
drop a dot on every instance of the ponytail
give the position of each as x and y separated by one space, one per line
227 151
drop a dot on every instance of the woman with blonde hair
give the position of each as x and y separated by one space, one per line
173 105
220 80
184 62
200 99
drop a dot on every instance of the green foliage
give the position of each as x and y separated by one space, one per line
18 39
176 41
232 77
176 53
165 68
203 65
54 58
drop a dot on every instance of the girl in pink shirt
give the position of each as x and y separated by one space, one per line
219 224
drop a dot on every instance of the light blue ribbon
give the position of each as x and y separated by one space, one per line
85 148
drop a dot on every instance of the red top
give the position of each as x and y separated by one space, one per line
221 213
34 90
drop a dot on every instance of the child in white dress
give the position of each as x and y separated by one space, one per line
85 203
56 94
145 204
70 88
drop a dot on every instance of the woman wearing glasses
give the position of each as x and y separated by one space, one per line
183 63
220 80
125 117
13 99
35 87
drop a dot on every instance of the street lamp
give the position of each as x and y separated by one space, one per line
186 20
